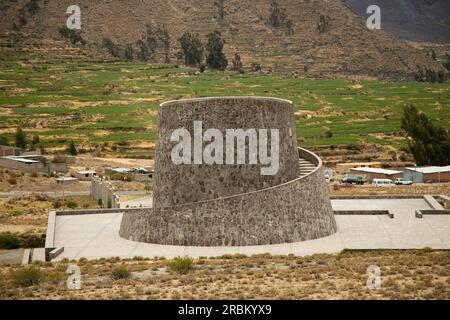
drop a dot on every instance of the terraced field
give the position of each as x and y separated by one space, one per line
112 103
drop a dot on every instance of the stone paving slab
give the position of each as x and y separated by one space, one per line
11 256
97 235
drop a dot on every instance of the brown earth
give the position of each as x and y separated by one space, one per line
30 214
347 49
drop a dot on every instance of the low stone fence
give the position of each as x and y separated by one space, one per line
364 212
102 189
421 213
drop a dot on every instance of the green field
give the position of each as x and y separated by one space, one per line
110 102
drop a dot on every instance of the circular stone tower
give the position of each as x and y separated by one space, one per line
177 184
229 202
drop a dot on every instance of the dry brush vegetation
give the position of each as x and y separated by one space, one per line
414 274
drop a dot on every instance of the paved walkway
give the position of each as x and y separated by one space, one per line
11 256
97 236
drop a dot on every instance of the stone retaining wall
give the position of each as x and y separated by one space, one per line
102 189
294 211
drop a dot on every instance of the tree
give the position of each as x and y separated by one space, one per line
433 55
20 138
278 18
164 39
73 36
36 139
289 27
143 53
429 75
72 149
42 149
216 58
237 63
324 24
277 15
111 47
429 144
4 141
220 8
32 7
447 63
151 39
129 53
192 49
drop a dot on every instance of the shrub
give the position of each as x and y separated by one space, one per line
32 241
237 63
73 36
429 75
9 241
12 180
181 265
4 141
32 6
117 176
57 204
324 24
26 277
20 138
111 47
72 148
328 133
278 18
59 159
120 273
256 66
71 204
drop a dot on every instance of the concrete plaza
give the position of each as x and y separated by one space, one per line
94 236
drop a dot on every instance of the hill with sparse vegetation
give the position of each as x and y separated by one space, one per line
309 38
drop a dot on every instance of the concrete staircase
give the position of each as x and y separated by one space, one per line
306 167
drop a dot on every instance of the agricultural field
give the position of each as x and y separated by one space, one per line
113 105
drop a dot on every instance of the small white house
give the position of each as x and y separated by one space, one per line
66 180
85 175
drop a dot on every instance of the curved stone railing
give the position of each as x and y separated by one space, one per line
298 210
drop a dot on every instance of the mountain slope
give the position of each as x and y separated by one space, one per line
416 20
348 48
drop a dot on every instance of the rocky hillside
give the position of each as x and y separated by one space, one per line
415 20
344 48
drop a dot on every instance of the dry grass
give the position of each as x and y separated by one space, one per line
35 183
29 214
414 274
